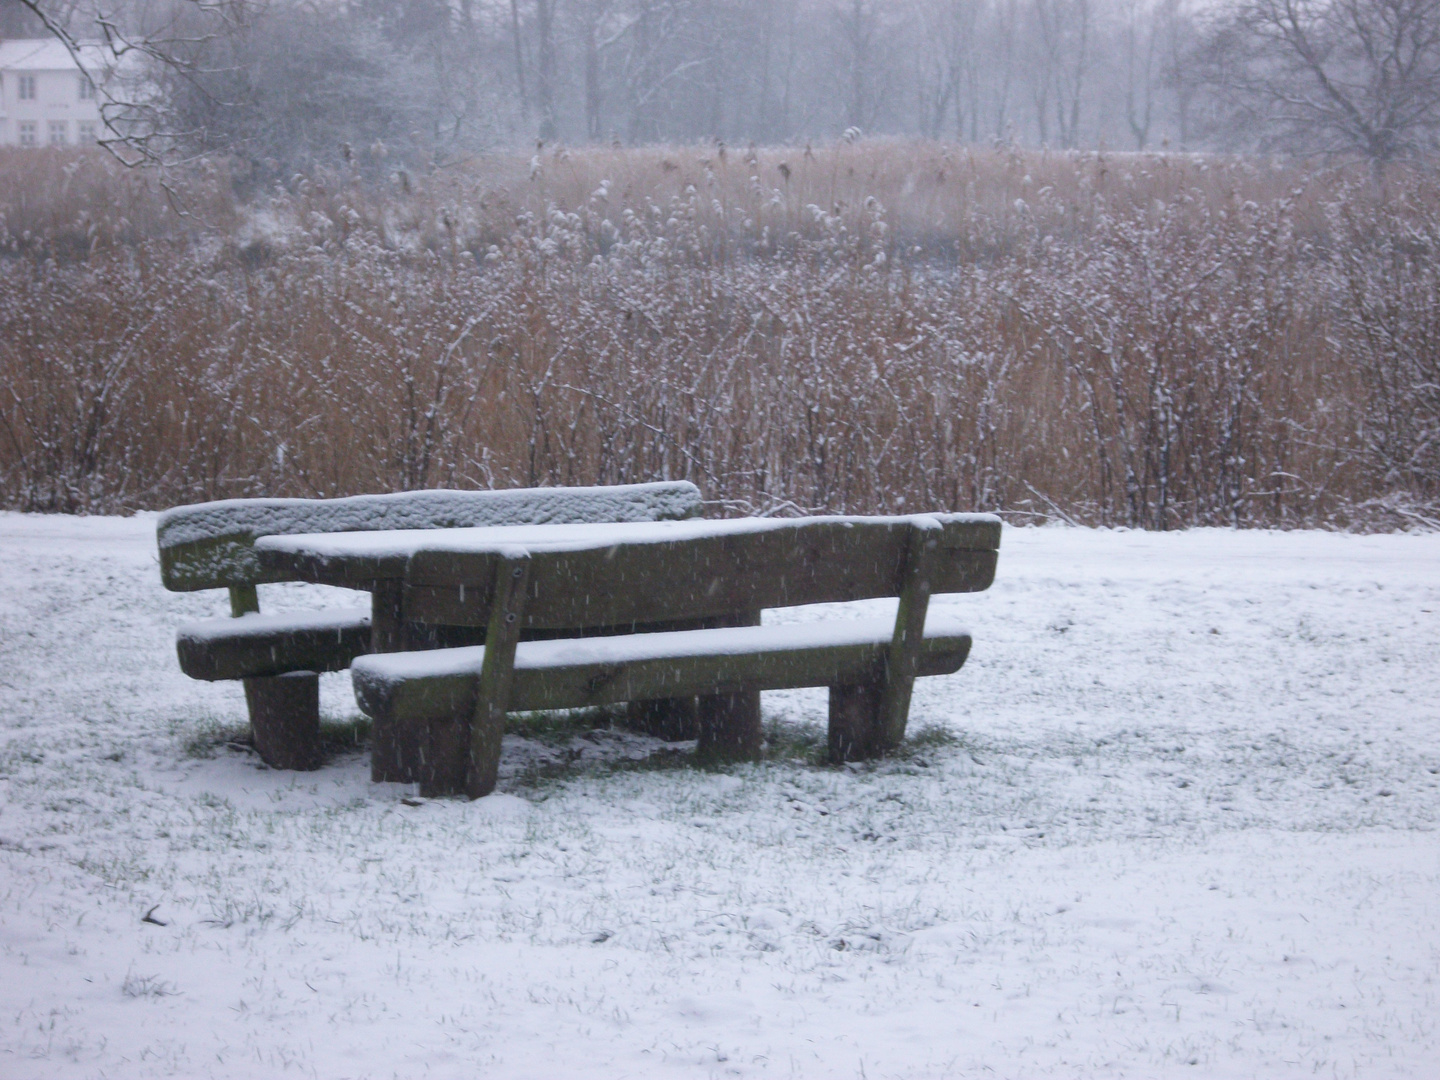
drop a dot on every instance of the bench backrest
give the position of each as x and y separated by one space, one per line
774 564
211 545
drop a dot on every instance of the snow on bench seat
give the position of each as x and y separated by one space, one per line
577 672
263 645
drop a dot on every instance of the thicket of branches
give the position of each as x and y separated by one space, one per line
1134 340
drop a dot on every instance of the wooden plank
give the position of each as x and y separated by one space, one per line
975 532
226 561
962 570
220 549
250 655
671 719
419 699
644 590
902 658
353 570
815 561
493 691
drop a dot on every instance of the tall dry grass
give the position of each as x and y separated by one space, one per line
1142 340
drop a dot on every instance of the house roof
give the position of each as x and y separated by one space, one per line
46 54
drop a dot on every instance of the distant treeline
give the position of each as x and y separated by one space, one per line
1142 340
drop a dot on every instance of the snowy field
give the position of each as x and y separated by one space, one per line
1177 817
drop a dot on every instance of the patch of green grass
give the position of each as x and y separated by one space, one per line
663 760
344 736
14 758
205 741
556 727
790 741
928 738
337 737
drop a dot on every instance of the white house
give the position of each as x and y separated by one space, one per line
45 99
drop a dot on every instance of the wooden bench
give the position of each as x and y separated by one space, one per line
455 700
278 657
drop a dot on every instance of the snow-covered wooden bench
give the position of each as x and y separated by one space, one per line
278 657
614 576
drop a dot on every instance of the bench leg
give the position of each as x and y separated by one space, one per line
671 719
730 728
394 754
855 721
285 719
497 672
444 755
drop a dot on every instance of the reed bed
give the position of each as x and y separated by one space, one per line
1151 341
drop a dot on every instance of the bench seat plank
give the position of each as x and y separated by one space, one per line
256 645
576 672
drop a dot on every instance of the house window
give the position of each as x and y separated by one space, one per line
87 89
86 131
25 87
59 132
27 133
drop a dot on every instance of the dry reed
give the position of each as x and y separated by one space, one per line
1142 340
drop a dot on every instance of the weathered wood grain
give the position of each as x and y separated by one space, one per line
497 673
635 583
212 545
285 719
902 658
247 655
575 686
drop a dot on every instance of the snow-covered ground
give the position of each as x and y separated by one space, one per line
1176 817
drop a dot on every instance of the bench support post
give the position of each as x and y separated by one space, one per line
853 711
394 753
244 599
903 658
868 719
671 719
285 719
679 718
497 672
730 727
285 710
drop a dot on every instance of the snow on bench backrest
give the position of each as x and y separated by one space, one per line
211 545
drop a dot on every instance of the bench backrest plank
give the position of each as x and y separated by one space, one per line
211 545
807 561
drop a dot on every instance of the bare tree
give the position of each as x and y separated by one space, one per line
1350 76
857 29
947 46
1060 65
290 81
137 48
1140 47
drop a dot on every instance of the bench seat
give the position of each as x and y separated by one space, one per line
256 645
409 688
